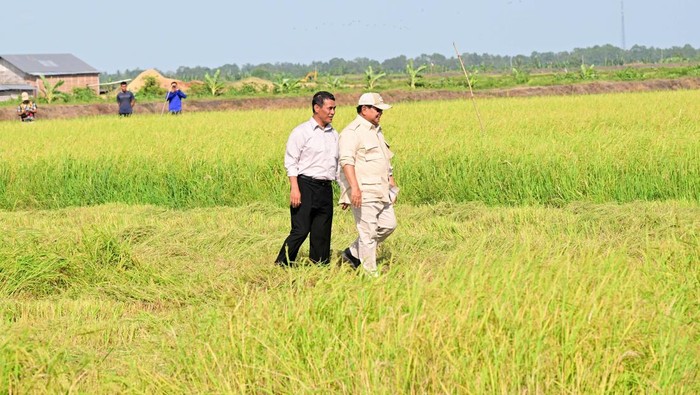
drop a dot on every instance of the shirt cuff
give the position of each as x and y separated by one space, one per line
346 161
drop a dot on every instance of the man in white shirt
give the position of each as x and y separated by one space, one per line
367 182
311 161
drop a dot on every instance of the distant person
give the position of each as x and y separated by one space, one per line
311 160
126 101
367 182
27 109
174 99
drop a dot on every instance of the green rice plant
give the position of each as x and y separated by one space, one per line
545 150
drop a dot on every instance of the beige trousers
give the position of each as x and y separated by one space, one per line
375 221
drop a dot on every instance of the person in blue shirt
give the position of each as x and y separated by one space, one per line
126 101
174 99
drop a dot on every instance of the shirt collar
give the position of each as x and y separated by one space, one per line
369 124
316 125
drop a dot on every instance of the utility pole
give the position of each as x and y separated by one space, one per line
622 14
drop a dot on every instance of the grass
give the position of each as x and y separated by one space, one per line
557 253
552 150
584 298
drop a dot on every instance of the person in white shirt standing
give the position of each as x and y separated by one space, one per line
311 161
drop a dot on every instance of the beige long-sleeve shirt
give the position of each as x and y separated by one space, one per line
362 145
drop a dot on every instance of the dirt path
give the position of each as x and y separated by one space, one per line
78 110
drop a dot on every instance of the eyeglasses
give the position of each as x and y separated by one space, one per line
379 110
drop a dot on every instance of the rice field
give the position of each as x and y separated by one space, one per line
556 253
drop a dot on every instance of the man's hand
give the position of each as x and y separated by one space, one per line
356 197
295 197
392 184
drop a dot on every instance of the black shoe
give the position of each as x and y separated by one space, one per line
348 257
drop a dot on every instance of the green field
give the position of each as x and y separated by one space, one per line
556 253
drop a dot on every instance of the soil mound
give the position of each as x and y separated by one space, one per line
259 84
164 82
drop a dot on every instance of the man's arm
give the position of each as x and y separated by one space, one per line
347 149
355 192
133 100
291 163
181 94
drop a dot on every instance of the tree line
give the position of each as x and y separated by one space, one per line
605 55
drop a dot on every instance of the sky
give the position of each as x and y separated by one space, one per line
128 34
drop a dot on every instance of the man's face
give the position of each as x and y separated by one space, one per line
124 88
173 87
372 114
325 113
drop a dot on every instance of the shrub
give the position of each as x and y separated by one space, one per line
151 88
520 76
629 74
84 94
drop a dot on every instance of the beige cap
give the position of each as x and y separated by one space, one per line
25 96
373 99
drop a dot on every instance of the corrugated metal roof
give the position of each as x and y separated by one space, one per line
49 64
16 87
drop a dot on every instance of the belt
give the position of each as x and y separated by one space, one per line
325 183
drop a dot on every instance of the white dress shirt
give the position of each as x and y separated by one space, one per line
312 151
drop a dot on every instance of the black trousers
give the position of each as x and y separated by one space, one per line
314 216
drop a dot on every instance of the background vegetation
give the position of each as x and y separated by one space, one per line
601 56
599 63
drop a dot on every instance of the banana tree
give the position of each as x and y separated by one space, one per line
51 91
414 73
372 77
334 82
285 85
214 84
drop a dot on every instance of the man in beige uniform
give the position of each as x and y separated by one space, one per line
366 181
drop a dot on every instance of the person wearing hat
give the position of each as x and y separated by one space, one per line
367 182
126 101
27 109
311 160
